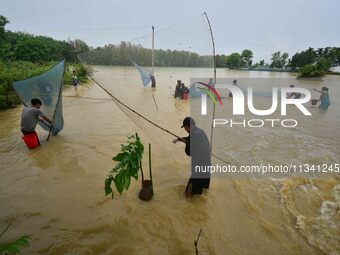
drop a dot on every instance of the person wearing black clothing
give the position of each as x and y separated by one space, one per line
178 90
196 146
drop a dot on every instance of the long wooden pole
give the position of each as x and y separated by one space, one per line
150 172
153 48
214 63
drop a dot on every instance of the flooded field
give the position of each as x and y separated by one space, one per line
55 193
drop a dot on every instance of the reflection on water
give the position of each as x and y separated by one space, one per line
55 193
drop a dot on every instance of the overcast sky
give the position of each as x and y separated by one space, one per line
264 26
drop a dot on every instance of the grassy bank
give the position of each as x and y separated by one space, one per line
11 71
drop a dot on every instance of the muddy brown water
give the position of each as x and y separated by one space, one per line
55 193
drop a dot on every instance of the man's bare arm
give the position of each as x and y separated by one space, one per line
45 118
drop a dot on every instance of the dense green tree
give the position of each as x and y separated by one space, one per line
303 58
80 46
3 22
23 55
315 63
311 71
247 56
234 60
324 64
221 60
16 46
279 60
331 54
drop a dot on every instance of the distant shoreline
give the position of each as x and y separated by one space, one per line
277 71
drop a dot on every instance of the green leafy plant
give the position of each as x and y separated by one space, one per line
128 163
311 71
14 247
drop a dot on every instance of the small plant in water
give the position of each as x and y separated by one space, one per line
129 162
14 247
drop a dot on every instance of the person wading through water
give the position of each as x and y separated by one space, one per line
30 117
197 147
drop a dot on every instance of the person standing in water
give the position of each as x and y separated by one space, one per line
197 147
185 92
234 84
75 80
179 89
324 98
30 117
153 81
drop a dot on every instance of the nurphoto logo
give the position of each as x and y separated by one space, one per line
242 98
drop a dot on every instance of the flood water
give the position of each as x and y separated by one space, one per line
55 193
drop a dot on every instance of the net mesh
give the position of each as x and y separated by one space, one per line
47 88
181 52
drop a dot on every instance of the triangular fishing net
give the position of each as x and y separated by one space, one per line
145 75
47 87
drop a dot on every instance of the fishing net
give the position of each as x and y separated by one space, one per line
181 52
145 75
47 87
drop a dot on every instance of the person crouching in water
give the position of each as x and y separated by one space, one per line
293 94
197 147
324 98
30 117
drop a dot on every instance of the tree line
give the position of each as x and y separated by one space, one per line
309 63
125 53
19 46
24 55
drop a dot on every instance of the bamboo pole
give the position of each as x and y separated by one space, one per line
55 110
214 60
153 48
150 167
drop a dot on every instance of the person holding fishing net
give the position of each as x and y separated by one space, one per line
29 119
197 147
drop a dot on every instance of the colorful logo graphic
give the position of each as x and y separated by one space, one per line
210 91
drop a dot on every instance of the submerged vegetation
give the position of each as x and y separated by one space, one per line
14 247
